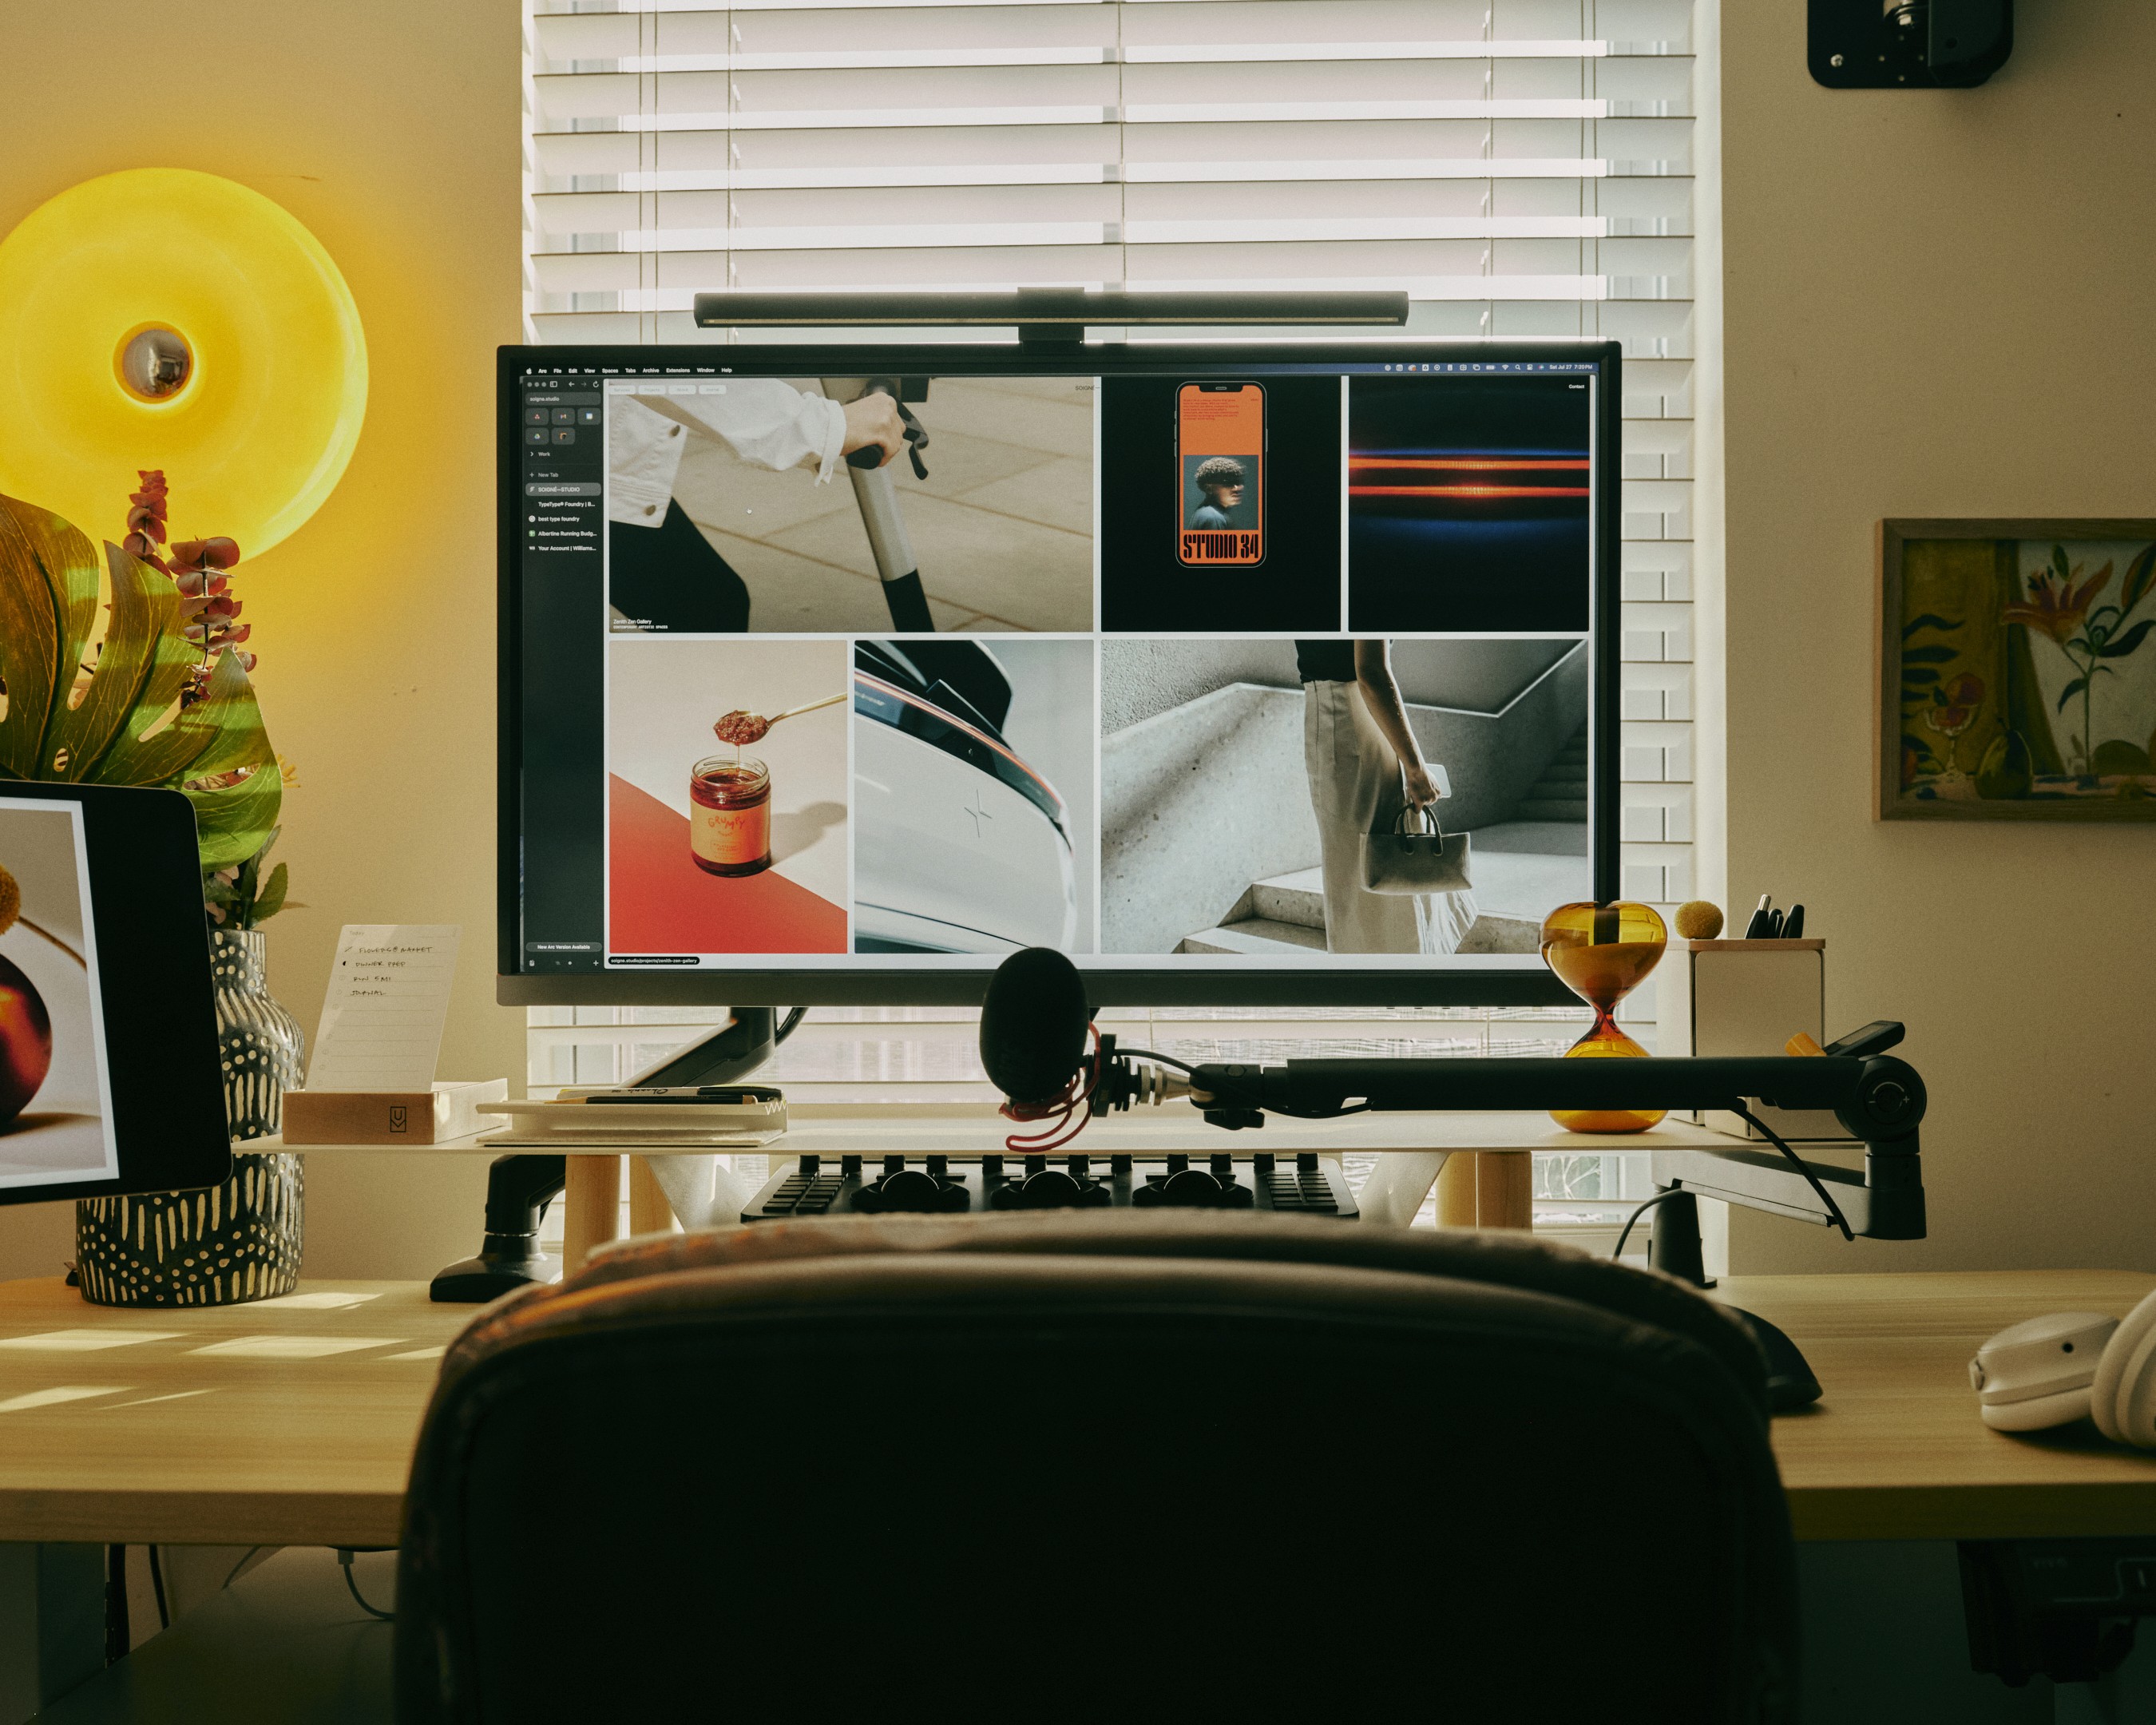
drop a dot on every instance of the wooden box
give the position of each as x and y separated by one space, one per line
418 1117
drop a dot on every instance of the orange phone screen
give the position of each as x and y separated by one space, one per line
1220 439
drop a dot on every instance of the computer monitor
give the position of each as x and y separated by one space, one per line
1078 666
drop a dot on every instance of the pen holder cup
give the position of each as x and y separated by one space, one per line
1747 997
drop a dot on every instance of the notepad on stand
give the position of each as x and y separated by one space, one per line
371 1079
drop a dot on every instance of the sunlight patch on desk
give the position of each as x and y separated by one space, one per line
328 1300
64 1393
87 1341
293 1346
177 1395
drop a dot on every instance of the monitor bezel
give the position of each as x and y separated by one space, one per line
1442 983
165 1068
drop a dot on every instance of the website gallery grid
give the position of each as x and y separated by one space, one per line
1195 632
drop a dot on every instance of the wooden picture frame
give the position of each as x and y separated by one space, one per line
2012 682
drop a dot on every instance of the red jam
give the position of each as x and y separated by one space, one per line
730 815
740 728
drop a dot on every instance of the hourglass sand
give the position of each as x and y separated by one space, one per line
1602 952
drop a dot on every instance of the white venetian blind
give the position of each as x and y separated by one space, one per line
1524 168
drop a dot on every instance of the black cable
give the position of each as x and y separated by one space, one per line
157 1586
118 1638
344 1556
1185 1067
792 1023
1639 1211
240 1565
1146 1054
1798 1163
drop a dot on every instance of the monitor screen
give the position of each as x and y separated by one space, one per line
1256 672
111 1079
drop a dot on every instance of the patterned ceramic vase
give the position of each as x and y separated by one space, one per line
235 1242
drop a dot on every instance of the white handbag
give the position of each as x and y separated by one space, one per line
1396 860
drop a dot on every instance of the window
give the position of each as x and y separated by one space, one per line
1523 167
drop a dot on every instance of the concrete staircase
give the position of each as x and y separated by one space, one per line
1285 911
1285 917
1561 793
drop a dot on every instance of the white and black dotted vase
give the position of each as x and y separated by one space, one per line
238 1241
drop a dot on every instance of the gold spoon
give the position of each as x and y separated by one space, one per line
793 713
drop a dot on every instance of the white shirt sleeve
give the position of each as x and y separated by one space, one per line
764 420
644 452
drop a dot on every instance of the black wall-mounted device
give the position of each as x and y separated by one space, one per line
1908 45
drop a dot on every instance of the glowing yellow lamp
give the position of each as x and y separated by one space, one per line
165 318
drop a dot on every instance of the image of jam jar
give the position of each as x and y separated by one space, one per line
730 815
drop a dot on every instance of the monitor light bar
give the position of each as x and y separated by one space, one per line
1048 314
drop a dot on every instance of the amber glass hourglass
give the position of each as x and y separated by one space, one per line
1602 952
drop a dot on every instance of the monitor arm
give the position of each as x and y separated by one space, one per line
1879 1100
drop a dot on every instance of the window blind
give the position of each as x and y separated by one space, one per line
1524 168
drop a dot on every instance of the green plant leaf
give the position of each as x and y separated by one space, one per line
2128 641
2139 574
2059 565
126 729
30 652
271 899
232 716
1919 675
143 654
67 560
2070 691
231 821
1929 620
1930 655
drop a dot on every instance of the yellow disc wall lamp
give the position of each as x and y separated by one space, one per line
164 318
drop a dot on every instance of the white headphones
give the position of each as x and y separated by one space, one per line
2073 1365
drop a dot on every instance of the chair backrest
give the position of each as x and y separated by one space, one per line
1097 1468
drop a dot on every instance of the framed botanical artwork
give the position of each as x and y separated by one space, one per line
2017 679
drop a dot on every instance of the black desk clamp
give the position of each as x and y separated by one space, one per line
520 1187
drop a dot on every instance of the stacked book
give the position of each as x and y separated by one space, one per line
732 1117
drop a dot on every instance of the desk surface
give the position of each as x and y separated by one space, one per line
292 1423
1894 1451
285 1422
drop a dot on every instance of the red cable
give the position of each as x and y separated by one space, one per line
1060 1108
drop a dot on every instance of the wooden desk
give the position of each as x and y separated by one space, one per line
296 1427
246 1447
1894 1451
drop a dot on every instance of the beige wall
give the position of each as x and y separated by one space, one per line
1943 303
1936 304
390 129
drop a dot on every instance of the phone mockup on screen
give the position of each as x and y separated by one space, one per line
1220 456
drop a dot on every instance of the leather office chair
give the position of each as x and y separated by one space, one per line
1097 1467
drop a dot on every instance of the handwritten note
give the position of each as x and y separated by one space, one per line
389 997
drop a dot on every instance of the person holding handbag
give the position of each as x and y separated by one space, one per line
1366 770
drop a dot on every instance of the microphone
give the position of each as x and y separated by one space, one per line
1034 1025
